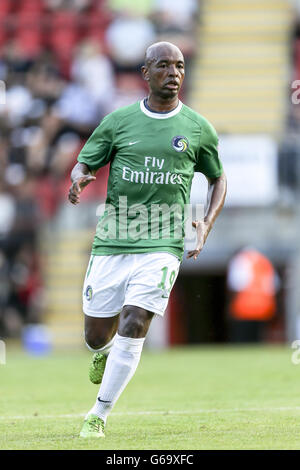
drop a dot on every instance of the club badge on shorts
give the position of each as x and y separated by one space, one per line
89 293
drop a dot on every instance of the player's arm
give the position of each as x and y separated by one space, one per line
81 176
215 201
95 154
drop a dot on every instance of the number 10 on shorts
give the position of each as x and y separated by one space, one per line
166 278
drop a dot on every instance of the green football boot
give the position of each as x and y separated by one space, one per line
93 426
97 367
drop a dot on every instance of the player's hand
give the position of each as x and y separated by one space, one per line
77 186
202 229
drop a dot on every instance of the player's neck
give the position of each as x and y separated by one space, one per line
161 106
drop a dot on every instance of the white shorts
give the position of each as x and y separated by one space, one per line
144 280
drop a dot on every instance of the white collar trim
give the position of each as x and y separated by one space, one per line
160 115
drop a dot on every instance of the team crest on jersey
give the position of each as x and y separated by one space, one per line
89 293
180 143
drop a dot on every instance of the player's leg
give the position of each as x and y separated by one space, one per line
134 322
103 297
99 332
147 291
99 338
123 359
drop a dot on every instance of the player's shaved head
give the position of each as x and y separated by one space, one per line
164 73
159 49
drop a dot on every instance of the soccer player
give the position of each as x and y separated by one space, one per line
153 147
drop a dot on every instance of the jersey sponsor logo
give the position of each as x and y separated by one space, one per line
151 177
146 176
89 293
180 143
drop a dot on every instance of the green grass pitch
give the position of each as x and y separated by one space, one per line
179 399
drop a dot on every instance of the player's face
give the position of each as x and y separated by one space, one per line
166 73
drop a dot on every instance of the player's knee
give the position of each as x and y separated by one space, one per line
96 341
99 331
134 322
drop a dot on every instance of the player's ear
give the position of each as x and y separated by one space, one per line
145 72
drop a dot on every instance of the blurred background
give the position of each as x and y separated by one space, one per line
64 64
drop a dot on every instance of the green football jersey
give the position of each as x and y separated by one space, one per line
153 157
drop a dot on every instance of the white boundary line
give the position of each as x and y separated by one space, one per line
162 413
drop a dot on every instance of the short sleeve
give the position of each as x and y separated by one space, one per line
208 161
97 151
